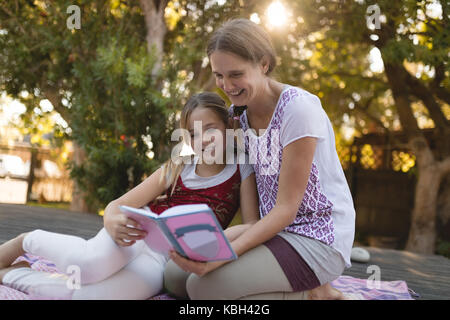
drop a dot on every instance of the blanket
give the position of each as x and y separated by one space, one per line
353 288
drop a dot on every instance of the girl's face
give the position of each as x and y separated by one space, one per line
207 133
241 80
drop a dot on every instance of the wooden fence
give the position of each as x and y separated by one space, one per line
44 188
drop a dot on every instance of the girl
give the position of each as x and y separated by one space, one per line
305 235
116 263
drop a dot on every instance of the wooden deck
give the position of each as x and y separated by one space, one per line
427 275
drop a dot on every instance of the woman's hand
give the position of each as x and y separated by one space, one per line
197 267
123 230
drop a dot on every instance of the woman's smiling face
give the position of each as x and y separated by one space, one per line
241 80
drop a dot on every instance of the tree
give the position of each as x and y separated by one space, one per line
41 129
118 81
98 78
325 47
339 35
123 76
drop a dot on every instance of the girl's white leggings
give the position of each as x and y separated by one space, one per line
94 269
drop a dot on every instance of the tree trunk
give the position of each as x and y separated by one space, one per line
78 203
443 209
422 233
156 30
33 161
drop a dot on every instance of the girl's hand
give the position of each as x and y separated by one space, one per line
123 230
197 267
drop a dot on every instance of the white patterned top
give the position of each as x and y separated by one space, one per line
326 212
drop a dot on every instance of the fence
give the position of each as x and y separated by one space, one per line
44 188
382 177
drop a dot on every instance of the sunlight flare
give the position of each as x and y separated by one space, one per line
276 14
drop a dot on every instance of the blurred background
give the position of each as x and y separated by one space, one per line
90 92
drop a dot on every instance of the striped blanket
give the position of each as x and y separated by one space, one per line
353 288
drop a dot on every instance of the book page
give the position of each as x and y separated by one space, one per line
184 209
155 238
146 212
200 236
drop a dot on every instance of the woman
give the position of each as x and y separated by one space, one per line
304 237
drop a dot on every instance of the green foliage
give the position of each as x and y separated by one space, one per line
443 248
117 106
328 54
101 73
101 77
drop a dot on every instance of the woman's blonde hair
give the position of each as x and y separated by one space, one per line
172 168
246 39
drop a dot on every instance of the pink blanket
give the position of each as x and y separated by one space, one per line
353 288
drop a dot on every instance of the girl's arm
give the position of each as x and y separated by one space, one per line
295 170
249 208
116 222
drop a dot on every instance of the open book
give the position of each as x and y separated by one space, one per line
192 230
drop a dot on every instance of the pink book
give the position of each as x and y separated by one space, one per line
192 230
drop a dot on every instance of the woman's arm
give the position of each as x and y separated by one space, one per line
249 208
295 170
116 222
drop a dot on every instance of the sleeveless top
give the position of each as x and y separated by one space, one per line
223 199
